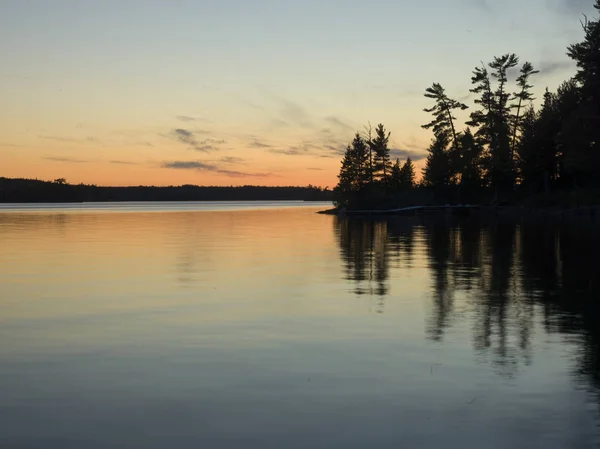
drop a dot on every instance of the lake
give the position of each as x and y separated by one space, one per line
267 325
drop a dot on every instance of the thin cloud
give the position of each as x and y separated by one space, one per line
124 162
314 169
186 118
189 138
211 167
322 147
551 67
65 159
278 123
89 139
258 144
294 113
189 165
335 121
232 160
397 153
291 151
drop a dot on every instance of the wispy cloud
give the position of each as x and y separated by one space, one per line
338 123
185 118
232 160
323 144
258 144
65 159
124 162
296 114
212 167
89 139
289 113
551 67
306 149
398 153
314 169
189 138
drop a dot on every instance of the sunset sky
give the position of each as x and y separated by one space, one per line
229 92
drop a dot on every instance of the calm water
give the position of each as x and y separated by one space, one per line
182 326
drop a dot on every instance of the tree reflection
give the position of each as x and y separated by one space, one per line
365 255
507 276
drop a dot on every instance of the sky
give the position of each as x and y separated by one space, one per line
239 92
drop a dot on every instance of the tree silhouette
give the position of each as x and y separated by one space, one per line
407 175
443 120
437 171
381 152
586 55
521 97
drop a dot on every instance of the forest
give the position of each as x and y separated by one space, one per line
32 190
507 152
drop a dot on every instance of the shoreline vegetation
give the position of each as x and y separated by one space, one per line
59 191
508 156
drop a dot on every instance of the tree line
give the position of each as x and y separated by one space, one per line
59 190
507 149
367 169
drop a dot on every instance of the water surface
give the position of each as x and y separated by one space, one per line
193 326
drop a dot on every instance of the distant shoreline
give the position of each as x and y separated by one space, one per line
58 191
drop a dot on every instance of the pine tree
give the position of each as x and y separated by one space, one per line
396 176
407 175
503 170
493 120
347 175
522 97
586 54
443 120
436 173
368 138
469 166
527 150
354 172
381 153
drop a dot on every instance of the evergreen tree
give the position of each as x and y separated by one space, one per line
436 173
527 150
586 54
493 119
538 152
396 176
443 120
354 172
347 175
360 151
502 163
573 142
368 138
407 175
381 153
521 97
482 119
469 166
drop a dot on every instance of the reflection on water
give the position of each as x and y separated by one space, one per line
506 274
263 328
